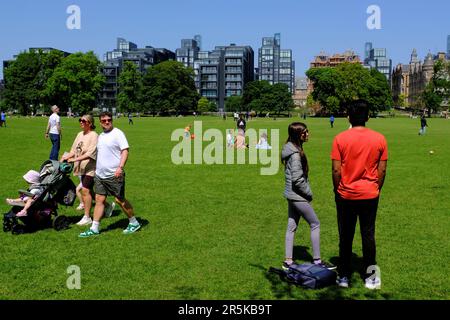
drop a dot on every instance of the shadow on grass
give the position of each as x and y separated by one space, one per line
284 290
188 293
122 224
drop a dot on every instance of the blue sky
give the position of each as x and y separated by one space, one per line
306 27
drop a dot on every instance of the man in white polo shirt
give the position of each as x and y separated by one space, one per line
112 155
53 132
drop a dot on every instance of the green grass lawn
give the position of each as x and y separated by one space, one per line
212 231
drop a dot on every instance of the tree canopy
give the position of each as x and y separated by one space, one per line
169 86
26 79
76 83
130 88
335 87
261 96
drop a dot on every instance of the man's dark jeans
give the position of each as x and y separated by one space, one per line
56 141
348 212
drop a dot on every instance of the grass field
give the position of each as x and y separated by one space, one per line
212 231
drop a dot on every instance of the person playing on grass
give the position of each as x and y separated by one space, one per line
32 178
359 159
83 154
262 143
112 155
423 125
239 142
332 121
298 194
230 139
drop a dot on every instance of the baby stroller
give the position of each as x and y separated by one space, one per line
57 188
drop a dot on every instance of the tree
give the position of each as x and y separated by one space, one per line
233 103
203 105
76 83
438 89
168 86
335 87
26 79
253 96
130 87
281 98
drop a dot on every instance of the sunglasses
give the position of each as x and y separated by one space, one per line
105 120
82 121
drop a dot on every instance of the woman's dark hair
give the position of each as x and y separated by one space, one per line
295 131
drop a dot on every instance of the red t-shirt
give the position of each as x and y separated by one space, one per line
359 150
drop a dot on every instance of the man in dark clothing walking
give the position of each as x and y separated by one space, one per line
241 124
423 125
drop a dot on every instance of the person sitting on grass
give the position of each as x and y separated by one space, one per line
26 200
230 139
262 143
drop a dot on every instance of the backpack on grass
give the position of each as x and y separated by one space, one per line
307 275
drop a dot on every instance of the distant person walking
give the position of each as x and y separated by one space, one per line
130 118
2 119
241 123
112 155
298 194
332 121
359 160
423 125
54 132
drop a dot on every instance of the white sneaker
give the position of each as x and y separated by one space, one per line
80 207
109 209
84 221
373 283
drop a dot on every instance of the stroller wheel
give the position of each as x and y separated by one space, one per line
61 223
18 229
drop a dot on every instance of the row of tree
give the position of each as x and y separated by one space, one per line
37 79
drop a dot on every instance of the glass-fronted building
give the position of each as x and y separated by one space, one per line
276 65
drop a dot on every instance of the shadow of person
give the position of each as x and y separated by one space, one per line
123 223
301 253
357 265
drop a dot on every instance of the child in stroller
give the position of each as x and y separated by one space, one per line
52 186
27 198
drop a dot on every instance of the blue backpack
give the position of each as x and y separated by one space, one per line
308 275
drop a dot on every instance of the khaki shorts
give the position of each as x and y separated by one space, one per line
110 186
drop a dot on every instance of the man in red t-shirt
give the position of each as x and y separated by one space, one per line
359 159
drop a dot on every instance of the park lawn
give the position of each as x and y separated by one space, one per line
212 231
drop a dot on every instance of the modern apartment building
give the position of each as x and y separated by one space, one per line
209 70
224 72
448 47
114 61
188 52
378 59
276 65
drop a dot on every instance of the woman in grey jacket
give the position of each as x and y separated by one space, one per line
298 193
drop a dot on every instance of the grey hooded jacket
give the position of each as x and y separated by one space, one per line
297 185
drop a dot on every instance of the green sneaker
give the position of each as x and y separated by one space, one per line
132 228
88 234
